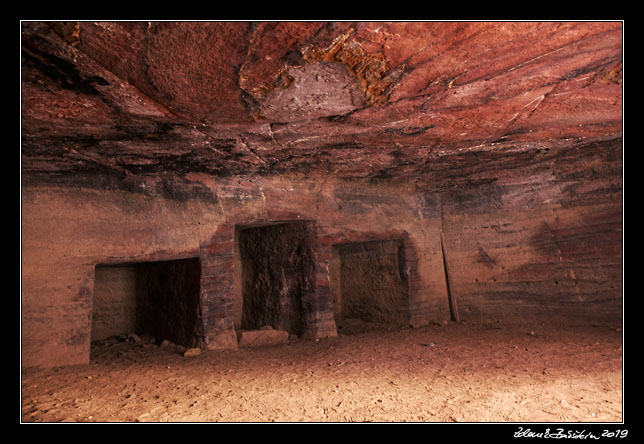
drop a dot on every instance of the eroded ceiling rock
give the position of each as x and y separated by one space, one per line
355 99
370 69
315 90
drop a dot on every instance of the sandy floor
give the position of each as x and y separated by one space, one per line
436 373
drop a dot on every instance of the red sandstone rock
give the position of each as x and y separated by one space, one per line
262 337
355 99
156 141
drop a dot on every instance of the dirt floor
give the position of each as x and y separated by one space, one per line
462 372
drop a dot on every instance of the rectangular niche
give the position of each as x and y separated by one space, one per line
158 299
277 272
369 283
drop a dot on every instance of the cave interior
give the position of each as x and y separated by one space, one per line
189 180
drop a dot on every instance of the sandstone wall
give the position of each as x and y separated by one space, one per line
540 243
114 302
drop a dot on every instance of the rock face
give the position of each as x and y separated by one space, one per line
149 142
363 100
192 352
113 302
383 296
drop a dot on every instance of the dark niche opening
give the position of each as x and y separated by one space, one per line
369 285
277 272
156 299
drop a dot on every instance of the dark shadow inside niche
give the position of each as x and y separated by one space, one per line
156 299
168 300
278 272
370 287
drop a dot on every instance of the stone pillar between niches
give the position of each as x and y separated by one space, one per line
217 291
320 321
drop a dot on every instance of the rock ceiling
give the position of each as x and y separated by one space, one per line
395 100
